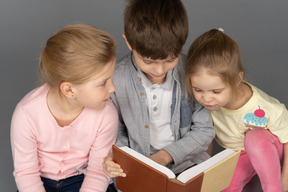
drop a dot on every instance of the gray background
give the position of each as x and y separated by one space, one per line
259 26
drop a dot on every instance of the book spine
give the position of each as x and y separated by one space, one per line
193 184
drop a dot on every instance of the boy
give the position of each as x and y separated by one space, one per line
155 115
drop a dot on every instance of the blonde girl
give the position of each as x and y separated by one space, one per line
65 127
245 117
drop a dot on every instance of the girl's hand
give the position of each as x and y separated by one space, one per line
111 168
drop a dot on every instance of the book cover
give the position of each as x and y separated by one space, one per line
143 174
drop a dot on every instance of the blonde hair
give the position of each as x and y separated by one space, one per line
74 54
217 53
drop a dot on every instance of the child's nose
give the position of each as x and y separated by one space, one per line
206 98
112 87
160 68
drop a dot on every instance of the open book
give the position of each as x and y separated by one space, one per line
145 175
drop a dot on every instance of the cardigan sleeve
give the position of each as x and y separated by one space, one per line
24 150
95 178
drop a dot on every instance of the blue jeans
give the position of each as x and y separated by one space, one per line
70 184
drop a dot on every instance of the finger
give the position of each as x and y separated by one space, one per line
114 169
117 174
112 174
112 164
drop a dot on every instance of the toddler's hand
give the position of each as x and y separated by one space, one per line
111 168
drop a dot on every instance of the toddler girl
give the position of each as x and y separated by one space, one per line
245 117
65 127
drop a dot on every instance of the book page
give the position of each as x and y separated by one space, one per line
197 169
148 161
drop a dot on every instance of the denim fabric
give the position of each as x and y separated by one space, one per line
111 188
71 184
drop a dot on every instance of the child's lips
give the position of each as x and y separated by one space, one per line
212 107
209 106
161 75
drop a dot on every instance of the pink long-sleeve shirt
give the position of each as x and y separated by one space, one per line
40 147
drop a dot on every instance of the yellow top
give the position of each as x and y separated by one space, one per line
231 125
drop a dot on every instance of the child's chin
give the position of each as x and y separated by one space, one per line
212 108
99 107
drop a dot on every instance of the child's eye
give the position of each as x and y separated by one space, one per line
147 61
103 84
171 60
197 90
217 91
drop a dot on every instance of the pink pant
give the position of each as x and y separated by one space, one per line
263 155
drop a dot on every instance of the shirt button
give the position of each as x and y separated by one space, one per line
141 93
146 126
155 109
61 165
154 97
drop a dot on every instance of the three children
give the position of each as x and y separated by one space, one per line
69 123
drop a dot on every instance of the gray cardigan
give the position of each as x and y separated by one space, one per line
191 123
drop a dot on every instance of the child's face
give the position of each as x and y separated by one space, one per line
155 70
96 92
210 90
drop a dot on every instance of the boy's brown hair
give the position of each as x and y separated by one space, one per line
219 54
156 29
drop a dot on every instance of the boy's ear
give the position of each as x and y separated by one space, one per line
128 45
66 89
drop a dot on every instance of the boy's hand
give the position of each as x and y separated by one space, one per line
162 157
111 168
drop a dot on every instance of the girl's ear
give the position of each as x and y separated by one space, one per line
240 79
67 90
128 45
